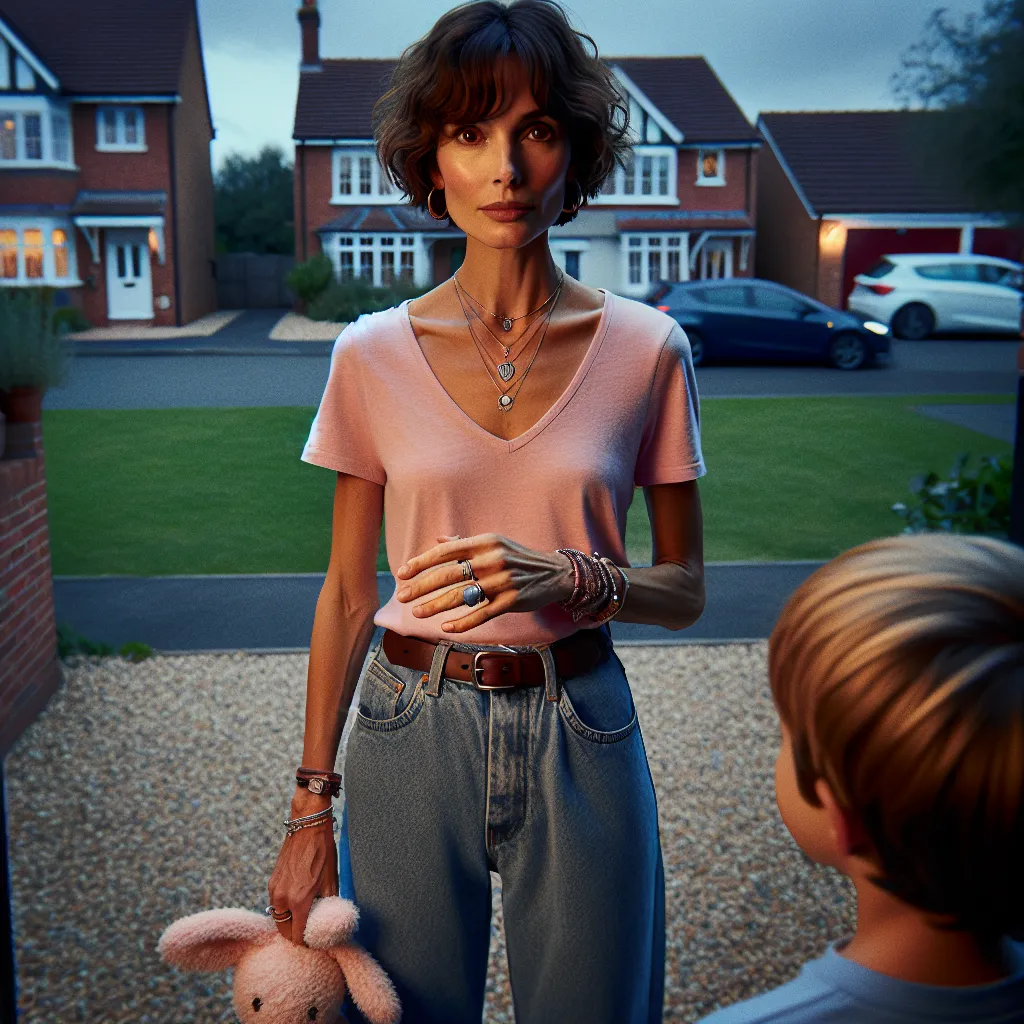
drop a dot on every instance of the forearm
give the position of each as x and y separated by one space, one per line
668 594
340 639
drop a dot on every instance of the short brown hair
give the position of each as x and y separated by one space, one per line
898 669
450 76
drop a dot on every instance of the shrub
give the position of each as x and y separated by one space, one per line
969 501
344 301
70 318
31 351
70 643
307 280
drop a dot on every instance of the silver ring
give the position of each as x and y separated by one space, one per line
473 594
467 570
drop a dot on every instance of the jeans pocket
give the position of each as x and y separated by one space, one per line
387 701
598 705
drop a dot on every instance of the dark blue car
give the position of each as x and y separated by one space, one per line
746 319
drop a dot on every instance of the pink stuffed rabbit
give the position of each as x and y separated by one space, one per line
277 981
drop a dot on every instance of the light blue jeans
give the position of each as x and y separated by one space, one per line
549 787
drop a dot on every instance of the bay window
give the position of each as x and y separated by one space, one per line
36 250
380 259
357 177
650 258
649 175
34 133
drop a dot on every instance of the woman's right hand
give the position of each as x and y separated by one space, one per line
306 868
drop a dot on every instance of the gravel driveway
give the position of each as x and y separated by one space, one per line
175 778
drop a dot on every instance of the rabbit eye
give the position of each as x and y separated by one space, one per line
311 1013
256 1004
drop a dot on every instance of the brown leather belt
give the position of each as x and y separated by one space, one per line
501 670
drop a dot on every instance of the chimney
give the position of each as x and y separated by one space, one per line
309 25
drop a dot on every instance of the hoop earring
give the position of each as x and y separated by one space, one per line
430 209
579 202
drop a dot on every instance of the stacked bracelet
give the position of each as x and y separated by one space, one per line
595 590
292 825
319 781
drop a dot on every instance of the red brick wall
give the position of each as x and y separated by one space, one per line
317 163
733 195
29 669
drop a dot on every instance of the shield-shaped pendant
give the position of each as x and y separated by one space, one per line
505 371
507 324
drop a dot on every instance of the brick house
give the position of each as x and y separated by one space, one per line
106 190
683 208
837 191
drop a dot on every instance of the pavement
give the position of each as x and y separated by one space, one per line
275 612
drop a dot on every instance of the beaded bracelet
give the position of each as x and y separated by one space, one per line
617 601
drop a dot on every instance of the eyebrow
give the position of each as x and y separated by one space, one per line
528 116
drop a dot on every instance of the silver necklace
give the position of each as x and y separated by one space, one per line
506 369
506 400
507 321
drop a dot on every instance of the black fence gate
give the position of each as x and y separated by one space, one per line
249 280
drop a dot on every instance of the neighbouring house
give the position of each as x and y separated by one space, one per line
684 207
839 190
106 189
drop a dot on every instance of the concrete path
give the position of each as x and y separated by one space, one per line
275 612
999 421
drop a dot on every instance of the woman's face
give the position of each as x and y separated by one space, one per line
521 156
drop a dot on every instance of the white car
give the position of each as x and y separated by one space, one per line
918 294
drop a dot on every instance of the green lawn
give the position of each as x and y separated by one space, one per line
177 491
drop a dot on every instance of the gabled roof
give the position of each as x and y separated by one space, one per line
105 47
336 102
863 161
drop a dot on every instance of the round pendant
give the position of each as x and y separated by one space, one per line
505 371
507 324
505 402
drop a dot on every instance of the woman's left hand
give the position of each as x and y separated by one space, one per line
514 578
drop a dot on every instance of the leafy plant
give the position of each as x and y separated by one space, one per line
32 353
969 501
346 300
70 318
70 642
307 280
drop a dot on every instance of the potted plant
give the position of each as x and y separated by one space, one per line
33 358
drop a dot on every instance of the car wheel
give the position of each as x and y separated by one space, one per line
847 352
914 322
697 347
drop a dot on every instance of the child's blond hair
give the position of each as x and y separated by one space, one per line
898 669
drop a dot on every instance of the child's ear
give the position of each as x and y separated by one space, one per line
844 825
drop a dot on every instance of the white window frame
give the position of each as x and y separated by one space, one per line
718 179
645 242
47 225
120 146
378 179
20 106
374 242
5 65
617 180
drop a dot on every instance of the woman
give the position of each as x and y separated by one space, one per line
501 421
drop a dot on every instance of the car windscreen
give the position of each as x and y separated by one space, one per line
880 269
727 295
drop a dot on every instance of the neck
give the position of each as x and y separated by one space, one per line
898 940
510 281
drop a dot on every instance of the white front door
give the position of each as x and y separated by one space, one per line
129 286
717 259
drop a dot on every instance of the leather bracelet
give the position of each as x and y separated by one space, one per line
318 782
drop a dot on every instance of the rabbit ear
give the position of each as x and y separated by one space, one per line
371 988
331 921
214 939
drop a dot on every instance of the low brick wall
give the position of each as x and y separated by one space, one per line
30 671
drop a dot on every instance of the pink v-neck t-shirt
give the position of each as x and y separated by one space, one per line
630 417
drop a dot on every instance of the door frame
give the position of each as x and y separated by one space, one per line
125 236
723 245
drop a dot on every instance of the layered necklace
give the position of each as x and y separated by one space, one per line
507 369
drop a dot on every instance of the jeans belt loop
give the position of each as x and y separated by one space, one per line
437 667
552 686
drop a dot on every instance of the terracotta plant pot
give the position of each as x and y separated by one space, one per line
24 405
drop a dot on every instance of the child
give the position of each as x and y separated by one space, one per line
898 673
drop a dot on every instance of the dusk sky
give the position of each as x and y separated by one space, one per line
770 54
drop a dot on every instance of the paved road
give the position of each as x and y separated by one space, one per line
219 380
275 612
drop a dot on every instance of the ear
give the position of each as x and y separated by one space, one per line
845 827
214 939
371 988
331 922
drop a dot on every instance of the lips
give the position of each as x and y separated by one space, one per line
507 206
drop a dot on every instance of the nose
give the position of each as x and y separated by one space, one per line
509 171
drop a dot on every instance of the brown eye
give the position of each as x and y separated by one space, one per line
311 1013
544 128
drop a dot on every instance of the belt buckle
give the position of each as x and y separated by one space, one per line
476 669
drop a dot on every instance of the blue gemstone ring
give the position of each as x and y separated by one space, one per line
473 594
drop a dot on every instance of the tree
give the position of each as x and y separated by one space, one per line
254 204
974 72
